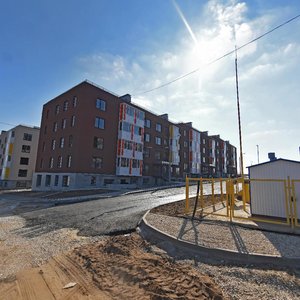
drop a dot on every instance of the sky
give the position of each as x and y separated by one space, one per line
133 46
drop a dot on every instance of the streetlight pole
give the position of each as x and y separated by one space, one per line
257 150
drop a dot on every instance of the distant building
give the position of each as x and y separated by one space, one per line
93 138
18 151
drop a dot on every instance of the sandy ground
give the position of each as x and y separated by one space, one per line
120 267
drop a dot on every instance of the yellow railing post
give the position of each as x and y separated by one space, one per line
290 201
213 191
221 189
294 202
201 193
244 193
227 198
286 194
187 208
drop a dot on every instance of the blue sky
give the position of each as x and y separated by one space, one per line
131 46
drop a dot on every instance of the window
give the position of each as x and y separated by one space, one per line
63 123
8 157
56 179
157 155
147 137
27 137
158 127
38 180
93 180
51 162
101 104
53 144
203 159
62 142
73 121
97 162
12 134
24 161
66 104
184 154
157 140
59 162
48 180
66 181
69 161
54 126
74 101
184 132
57 108
98 142
99 123
70 141
22 173
203 141
146 152
203 150
147 123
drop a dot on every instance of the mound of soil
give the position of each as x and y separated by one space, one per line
124 268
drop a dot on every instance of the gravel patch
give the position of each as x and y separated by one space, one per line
214 234
22 247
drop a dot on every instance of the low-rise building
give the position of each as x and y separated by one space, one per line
18 151
91 137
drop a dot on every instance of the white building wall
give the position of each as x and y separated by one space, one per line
268 198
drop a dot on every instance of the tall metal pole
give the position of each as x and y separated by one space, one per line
239 114
257 149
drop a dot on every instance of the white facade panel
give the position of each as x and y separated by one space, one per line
268 198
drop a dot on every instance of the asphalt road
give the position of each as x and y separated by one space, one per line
113 215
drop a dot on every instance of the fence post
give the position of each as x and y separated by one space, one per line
213 191
201 193
294 202
290 199
186 195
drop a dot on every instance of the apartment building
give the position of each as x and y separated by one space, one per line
18 151
91 137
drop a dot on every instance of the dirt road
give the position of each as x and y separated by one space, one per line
120 267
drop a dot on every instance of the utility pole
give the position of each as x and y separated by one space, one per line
257 150
239 114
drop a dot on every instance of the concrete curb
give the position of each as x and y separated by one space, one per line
175 246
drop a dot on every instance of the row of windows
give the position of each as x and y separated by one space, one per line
125 162
63 124
96 163
139 114
65 180
124 126
59 163
65 106
133 146
158 126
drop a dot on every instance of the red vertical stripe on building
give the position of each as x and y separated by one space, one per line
122 151
130 166
141 167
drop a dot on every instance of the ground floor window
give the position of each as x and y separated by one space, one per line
48 180
22 173
66 181
56 179
38 180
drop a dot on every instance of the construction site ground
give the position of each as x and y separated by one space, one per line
60 264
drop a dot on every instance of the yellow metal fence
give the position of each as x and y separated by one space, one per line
232 192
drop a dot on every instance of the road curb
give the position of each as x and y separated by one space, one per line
175 246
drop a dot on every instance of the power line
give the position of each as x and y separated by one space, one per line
219 58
